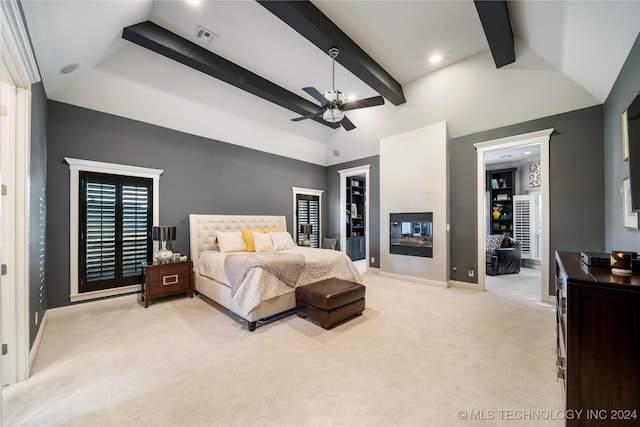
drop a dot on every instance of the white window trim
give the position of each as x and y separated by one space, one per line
75 167
307 192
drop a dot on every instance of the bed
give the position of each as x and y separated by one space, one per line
259 292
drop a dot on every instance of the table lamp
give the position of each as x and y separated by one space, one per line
163 235
307 229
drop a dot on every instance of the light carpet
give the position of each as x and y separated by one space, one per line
418 356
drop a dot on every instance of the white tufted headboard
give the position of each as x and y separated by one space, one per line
202 228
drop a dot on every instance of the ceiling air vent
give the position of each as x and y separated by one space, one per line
205 35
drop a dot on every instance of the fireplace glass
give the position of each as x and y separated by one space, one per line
411 234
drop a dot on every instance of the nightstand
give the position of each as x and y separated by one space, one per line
167 279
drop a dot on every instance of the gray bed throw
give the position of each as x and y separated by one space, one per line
286 267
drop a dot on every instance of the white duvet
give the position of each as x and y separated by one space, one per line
259 285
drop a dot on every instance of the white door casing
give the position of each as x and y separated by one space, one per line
541 137
19 72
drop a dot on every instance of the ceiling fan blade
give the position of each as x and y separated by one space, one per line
306 116
315 93
363 103
347 124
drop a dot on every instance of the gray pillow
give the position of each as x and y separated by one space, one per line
329 243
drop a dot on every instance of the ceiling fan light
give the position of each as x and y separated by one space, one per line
333 115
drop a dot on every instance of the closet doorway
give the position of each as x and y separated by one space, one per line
354 214
493 149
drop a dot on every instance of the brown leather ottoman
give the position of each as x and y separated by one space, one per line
330 301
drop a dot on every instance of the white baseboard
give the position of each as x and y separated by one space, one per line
415 279
465 285
89 305
58 311
36 343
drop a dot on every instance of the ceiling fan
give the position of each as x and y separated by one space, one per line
333 102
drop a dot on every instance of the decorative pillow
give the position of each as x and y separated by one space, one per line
263 242
247 235
281 241
329 243
273 230
494 241
231 241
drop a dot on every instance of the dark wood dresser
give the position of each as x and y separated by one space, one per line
598 330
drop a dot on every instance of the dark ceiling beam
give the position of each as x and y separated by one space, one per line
494 16
307 20
162 41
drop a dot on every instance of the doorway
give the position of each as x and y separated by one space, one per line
492 149
513 197
354 182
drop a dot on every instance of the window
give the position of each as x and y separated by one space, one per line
307 205
308 212
116 216
78 167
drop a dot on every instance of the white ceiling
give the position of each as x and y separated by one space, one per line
568 55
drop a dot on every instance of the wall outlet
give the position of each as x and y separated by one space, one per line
471 273
373 259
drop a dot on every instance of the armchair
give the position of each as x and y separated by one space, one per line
503 255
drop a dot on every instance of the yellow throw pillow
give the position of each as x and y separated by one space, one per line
247 235
272 230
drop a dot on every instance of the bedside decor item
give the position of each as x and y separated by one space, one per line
621 263
306 229
163 235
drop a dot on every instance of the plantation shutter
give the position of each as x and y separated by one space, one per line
308 212
100 243
136 223
115 224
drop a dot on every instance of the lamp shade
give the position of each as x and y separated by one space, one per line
306 228
163 234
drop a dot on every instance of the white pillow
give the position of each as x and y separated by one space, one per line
263 242
282 241
231 241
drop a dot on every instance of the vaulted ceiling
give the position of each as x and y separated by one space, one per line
567 56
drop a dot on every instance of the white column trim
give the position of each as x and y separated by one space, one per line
75 166
15 39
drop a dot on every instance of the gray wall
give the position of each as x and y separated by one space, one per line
37 208
576 186
627 85
333 208
200 176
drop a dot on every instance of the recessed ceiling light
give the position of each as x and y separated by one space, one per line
69 68
435 59
527 152
194 2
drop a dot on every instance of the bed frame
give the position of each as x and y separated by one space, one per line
202 234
